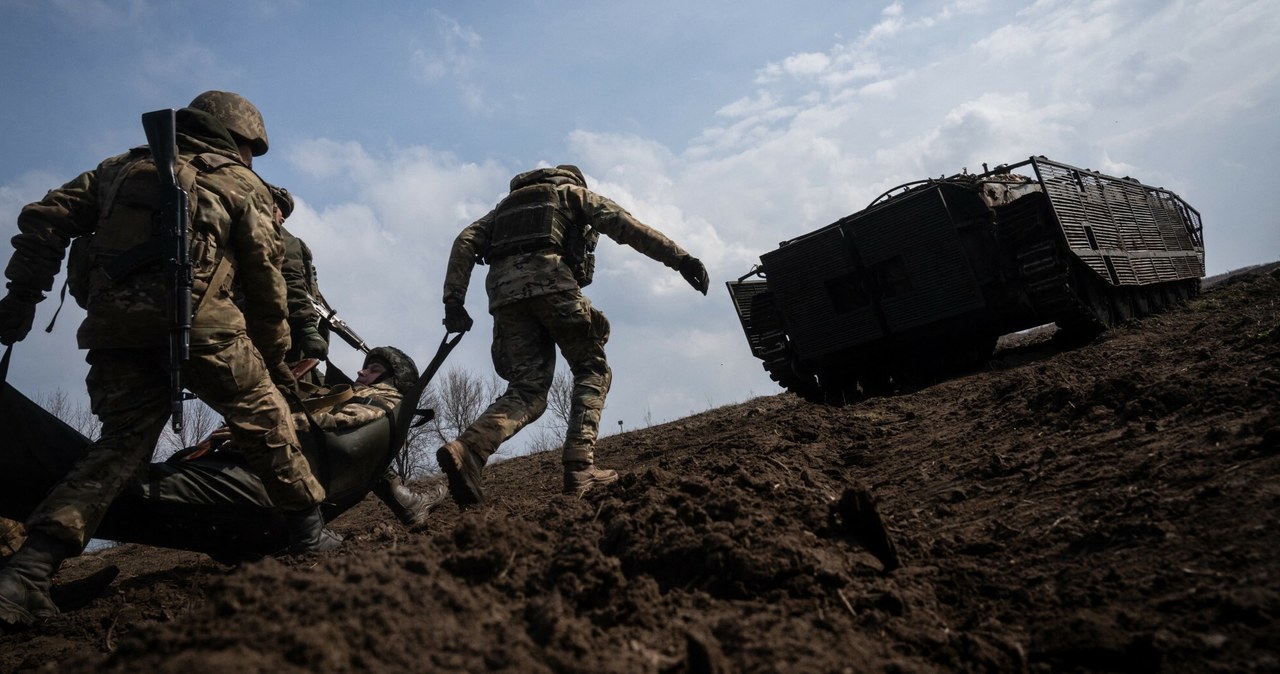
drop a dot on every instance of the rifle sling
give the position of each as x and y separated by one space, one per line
337 395
216 282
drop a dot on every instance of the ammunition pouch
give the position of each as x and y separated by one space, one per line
580 253
529 220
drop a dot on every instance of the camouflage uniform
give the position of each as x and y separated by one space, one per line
234 353
368 404
299 273
538 305
12 534
372 402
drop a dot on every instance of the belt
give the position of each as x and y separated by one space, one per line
520 249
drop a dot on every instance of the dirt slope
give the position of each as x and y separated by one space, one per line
1107 508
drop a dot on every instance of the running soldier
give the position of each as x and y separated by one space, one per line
539 243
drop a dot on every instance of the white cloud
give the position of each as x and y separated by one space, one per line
451 54
748 105
961 7
797 66
1180 93
878 89
889 25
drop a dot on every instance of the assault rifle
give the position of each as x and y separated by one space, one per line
331 318
160 128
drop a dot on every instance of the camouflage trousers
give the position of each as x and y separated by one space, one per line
525 337
12 534
129 393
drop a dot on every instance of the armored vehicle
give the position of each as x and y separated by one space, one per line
923 281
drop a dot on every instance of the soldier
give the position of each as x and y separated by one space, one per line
410 507
539 243
386 376
307 341
236 356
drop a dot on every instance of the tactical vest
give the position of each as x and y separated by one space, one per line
532 219
128 221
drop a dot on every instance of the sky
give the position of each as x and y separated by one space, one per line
729 126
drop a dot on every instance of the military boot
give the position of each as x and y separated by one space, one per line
462 465
26 580
410 507
12 534
580 477
307 532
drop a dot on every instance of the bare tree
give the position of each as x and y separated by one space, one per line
73 413
417 456
460 398
543 436
457 398
198 421
560 397
550 430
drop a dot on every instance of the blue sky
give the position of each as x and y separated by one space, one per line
730 126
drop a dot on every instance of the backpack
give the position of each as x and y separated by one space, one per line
123 242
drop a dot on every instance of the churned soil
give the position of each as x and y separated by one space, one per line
1105 507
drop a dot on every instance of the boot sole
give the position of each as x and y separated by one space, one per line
462 488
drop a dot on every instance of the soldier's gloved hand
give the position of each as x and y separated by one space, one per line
456 318
17 313
312 344
693 271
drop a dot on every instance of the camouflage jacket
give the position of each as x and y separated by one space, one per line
231 218
368 404
300 281
526 275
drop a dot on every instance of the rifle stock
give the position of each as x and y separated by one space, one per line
161 129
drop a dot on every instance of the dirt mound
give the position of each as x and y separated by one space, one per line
1110 507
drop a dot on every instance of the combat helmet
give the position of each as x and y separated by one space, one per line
559 175
400 367
577 173
236 113
282 198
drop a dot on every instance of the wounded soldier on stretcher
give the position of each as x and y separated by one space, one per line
206 498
